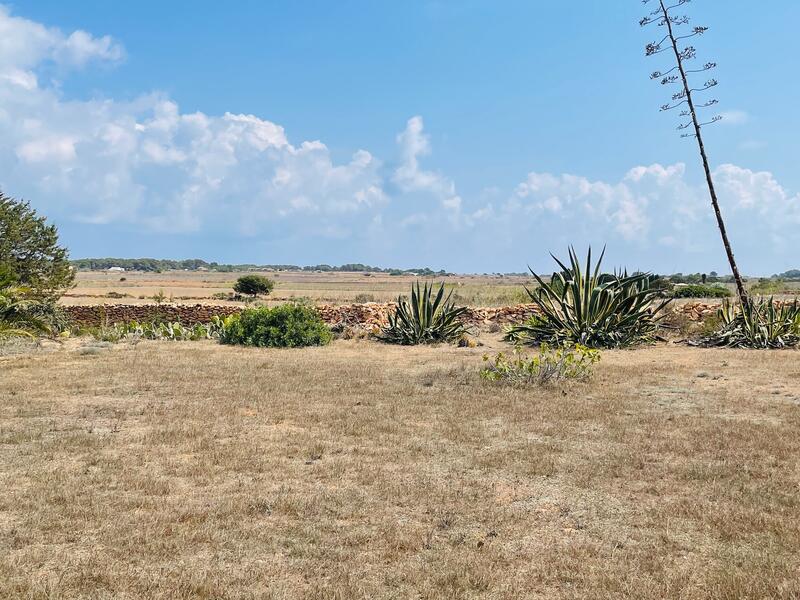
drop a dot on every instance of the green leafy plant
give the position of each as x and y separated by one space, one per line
30 253
550 365
21 314
159 297
254 285
175 332
286 326
701 291
760 323
769 287
425 319
584 306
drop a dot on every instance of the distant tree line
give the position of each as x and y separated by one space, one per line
790 274
194 264
698 278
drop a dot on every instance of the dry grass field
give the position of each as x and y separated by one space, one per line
95 287
134 287
194 470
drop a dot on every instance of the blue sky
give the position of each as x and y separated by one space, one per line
469 135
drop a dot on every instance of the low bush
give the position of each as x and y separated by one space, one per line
701 291
769 287
550 365
286 326
22 314
364 298
424 319
253 285
52 316
175 332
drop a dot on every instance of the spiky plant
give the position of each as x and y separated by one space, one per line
425 319
581 305
18 313
758 324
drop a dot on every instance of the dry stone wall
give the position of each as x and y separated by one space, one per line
356 315
188 314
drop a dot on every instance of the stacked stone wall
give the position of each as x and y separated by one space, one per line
364 315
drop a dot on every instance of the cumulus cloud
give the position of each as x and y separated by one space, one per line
414 143
25 45
658 205
148 165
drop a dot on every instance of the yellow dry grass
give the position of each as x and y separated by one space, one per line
95 287
193 470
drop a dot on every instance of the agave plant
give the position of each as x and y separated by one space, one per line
18 313
757 324
175 332
584 306
425 319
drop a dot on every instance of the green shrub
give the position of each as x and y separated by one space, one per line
759 324
769 287
253 285
701 291
286 326
425 319
175 332
364 298
51 315
548 366
20 313
584 306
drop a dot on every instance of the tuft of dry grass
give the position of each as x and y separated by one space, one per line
193 470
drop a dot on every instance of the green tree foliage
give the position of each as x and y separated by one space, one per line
286 326
701 291
30 255
253 285
193 264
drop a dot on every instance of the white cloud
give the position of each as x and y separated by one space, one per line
147 165
414 143
25 45
658 206
734 117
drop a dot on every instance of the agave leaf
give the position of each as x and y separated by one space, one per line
583 305
425 319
